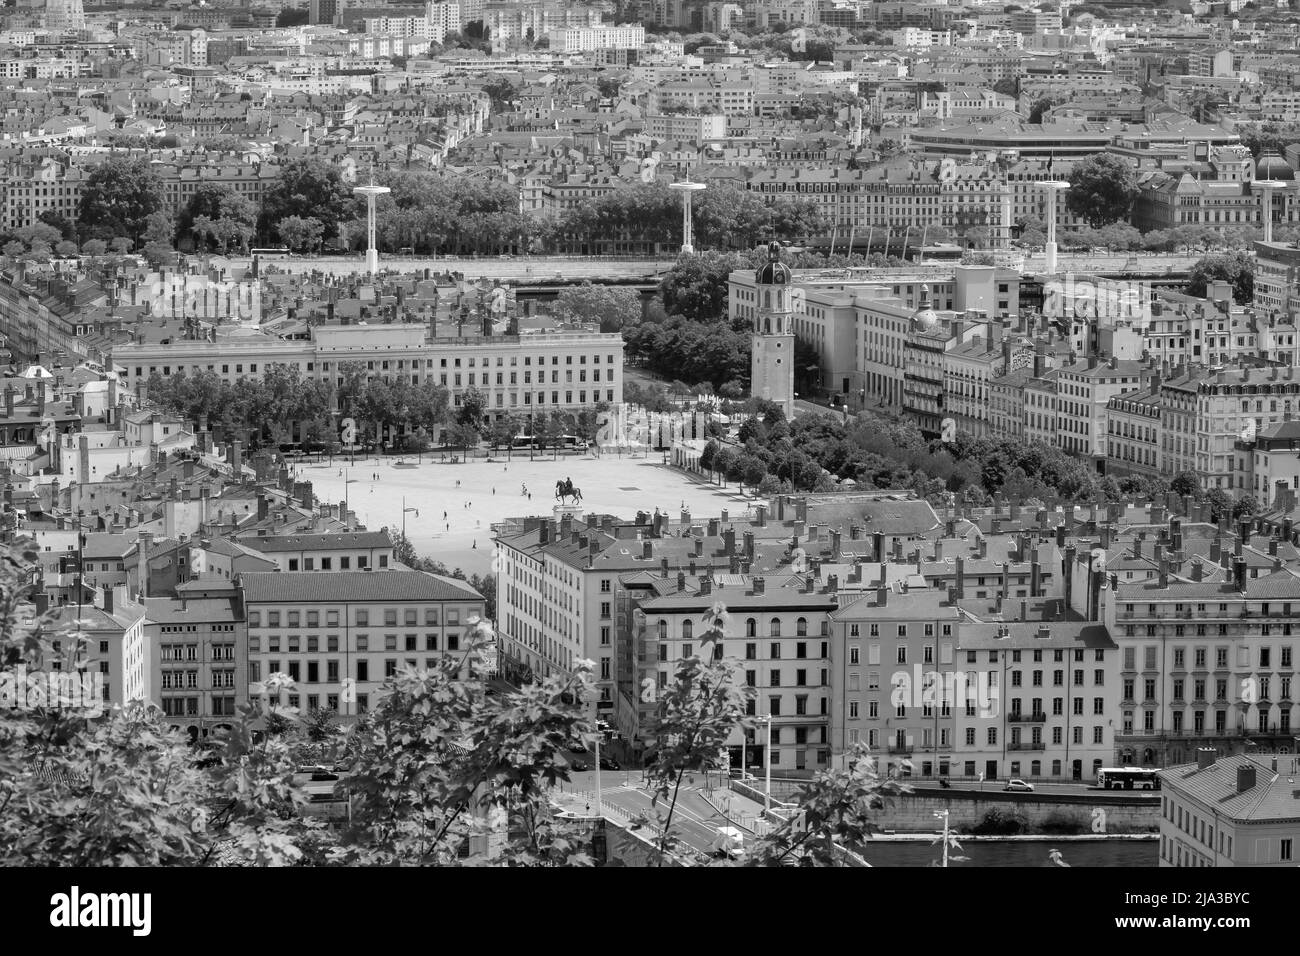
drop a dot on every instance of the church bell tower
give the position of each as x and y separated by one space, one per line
772 343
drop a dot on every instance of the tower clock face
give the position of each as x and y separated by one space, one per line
779 279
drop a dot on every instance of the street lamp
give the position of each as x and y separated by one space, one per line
404 511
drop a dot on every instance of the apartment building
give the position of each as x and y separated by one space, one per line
1205 413
100 636
970 367
1277 277
884 647
1047 695
1230 811
1208 650
189 659
1040 407
1273 460
339 636
904 194
780 640
353 550
1133 439
567 590
582 39
533 373
1083 389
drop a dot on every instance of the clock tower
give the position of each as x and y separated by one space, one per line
772 342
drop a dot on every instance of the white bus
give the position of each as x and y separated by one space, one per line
1128 778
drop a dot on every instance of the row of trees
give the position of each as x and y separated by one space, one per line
878 450
267 409
435 762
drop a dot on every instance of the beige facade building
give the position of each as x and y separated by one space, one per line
339 636
1230 811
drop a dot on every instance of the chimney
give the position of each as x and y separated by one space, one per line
1205 757
761 513
647 549
961 578
681 580
729 541
835 546
706 586
1215 552
699 547
759 585
142 546
1245 777
108 599
882 596
1035 579
544 533
713 527
749 545
1197 570
878 546
1164 573
663 566
1239 573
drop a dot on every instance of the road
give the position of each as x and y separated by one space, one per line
536 268
695 822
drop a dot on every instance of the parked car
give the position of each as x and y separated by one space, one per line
1017 785
728 842
609 763
577 766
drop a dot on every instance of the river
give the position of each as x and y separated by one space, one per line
1017 853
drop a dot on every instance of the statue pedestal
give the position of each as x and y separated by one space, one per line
569 511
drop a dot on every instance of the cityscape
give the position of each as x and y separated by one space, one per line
643 433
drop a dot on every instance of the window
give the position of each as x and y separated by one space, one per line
774 650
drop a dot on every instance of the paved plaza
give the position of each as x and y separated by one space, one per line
473 495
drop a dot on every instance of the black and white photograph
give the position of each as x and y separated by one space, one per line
598 435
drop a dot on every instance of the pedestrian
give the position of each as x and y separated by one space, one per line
475 548
494 491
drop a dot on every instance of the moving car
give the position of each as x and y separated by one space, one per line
577 766
1017 785
609 763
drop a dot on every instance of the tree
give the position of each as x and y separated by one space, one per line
724 461
217 213
299 234
117 199
1236 267
1102 189
307 189
473 406
464 436
611 307
1185 483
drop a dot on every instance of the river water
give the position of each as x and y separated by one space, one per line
1016 853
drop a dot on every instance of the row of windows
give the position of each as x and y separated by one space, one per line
294 644
327 563
361 617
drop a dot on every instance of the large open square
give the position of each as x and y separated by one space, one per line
451 507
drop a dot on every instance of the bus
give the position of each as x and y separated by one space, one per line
1128 778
